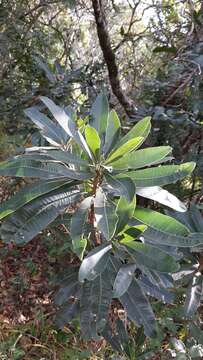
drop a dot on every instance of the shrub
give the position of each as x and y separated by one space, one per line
124 252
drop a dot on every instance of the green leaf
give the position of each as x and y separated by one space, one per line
68 287
141 158
94 263
192 218
160 222
78 221
138 308
66 123
165 230
42 64
155 290
161 175
52 132
100 113
95 300
35 216
67 313
134 231
130 145
123 279
45 170
141 129
124 211
119 339
151 257
124 187
112 132
162 196
60 115
29 193
105 216
93 140
59 155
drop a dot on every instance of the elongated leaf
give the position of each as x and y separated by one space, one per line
67 313
130 145
161 175
95 300
123 279
160 222
78 221
66 123
93 140
138 308
165 230
192 218
112 132
124 211
105 216
52 132
60 115
59 155
100 113
141 129
193 296
141 158
94 263
150 257
114 265
43 66
155 291
29 193
124 187
134 232
28 221
162 196
113 339
159 279
68 288
43 170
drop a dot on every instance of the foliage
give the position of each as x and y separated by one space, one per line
126 252
51 48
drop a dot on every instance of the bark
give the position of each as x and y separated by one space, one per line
109 57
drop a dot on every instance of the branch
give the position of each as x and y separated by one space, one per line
109 57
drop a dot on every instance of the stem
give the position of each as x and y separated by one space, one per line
96 182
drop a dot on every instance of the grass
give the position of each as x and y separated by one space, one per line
41 341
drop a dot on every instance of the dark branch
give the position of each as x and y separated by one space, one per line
110 58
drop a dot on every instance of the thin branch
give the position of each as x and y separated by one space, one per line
184 83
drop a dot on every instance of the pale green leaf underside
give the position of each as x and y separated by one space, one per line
94 263
78 221
162 196
105 216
